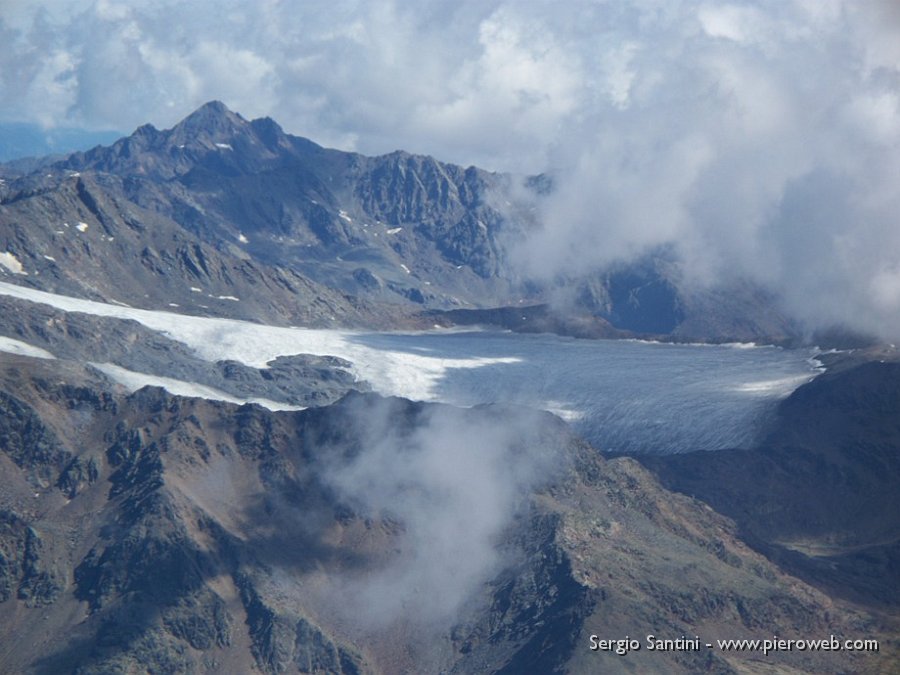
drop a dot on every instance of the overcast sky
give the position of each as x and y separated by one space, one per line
762 137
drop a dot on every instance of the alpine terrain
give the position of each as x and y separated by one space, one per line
200 476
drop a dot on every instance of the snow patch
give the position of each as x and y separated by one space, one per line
133 380
389 371
12 264
224 146
11 346
405 268
50 258
242 238
343 214
81 227
194 289
225 297
394 230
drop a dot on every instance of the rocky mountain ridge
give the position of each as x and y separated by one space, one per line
240 209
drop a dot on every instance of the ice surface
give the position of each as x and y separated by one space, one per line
392 372
621 395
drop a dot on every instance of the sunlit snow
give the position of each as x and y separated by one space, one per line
133 381
11 346
11 263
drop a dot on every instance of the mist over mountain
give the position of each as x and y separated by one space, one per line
149 531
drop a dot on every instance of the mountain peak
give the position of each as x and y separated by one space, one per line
214 106
212 119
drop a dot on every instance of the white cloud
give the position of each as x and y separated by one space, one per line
453 483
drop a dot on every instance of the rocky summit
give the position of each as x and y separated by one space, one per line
282 515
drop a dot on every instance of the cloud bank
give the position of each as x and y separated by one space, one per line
761 138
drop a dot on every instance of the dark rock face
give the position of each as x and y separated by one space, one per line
24 571
537 612
644 305
29 443
280 645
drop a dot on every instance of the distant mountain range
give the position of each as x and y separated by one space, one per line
21 140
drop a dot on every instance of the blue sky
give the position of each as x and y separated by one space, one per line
762 137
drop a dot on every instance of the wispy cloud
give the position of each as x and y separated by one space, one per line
453 480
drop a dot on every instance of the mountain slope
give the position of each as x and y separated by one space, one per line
819 493
81 235
184 535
